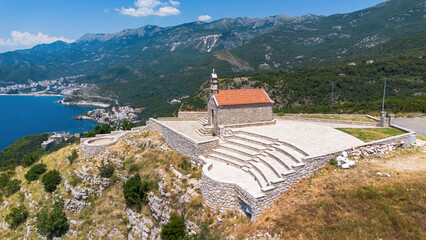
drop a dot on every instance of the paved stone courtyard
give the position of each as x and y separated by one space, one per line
314 138
188 129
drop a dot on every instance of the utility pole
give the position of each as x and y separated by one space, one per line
384 94
332 94
384 122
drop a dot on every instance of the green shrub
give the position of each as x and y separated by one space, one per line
104 129
24 151
50 180
174 229
185 165
127 125
29 159
17 216
333 162
4 180
13 186
106 171
35 172
135 190
73 156
53 223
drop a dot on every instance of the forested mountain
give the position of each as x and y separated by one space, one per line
151 65
151 49
337 86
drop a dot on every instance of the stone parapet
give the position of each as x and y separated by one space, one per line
357 123
93 146
191 115
181 143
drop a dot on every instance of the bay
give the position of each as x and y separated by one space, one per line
27 115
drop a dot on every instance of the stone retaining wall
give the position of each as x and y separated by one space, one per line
223 196
191 116
91 150
301 119
181 143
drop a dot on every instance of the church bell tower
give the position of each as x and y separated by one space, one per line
213 87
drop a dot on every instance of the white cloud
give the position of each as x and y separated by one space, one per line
204 18
145 8
26 39
174 3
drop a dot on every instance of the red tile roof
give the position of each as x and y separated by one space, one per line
241 97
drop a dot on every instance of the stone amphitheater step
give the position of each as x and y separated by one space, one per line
227 160
284 158
203 120
202 133
247 144
205 131
231 154
277 165
291 152
252 139
258 177
240 149
268 172
255 136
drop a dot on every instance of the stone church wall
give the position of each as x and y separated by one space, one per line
239 114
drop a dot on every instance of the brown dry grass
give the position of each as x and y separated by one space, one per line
352 204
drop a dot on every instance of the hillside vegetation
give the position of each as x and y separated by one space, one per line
27 150
337 88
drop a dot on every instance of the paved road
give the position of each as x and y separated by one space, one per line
416 124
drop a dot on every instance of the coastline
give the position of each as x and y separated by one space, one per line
81 103
32 94
85 103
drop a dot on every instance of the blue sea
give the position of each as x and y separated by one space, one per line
26 115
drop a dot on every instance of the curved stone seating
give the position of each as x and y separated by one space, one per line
268 161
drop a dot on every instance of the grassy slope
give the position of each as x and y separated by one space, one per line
352 204
371 134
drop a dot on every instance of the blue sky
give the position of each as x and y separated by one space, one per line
25 23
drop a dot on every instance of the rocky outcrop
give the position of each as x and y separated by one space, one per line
141 227
74 205
159 208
